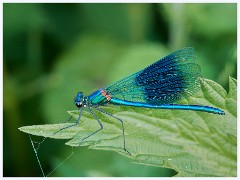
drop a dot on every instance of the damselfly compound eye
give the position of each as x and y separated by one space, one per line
78 104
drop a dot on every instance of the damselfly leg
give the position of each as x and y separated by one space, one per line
109 114
99 122
75 124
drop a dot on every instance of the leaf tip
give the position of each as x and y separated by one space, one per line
23 129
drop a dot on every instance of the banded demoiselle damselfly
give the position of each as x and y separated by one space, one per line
158 86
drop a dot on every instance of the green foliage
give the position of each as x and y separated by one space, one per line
192 143
57 49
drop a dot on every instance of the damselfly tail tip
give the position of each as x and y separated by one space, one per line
221 112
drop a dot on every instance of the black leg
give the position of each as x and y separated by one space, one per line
124 144
75 124
69 119
99 122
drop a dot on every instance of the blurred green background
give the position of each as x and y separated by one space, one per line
52 51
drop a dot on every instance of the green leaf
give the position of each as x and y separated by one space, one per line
192 143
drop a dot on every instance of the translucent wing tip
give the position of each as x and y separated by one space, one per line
188 48
185 49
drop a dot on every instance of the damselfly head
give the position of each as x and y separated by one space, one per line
78 99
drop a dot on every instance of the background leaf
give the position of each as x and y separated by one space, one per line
192 143
57 49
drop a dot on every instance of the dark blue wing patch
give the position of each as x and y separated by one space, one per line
171 78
